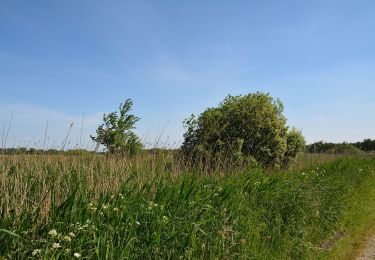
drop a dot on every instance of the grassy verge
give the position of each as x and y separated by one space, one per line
97 208
357 224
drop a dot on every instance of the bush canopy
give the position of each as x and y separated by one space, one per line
243 128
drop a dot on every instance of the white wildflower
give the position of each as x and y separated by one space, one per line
105 206
137 222
77 255
67 251
56 245
36 252
67 238
71 234
152 205
52 233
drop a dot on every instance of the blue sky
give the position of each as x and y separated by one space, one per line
60 59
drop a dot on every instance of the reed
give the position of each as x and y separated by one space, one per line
157 206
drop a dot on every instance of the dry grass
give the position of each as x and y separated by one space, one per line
27 181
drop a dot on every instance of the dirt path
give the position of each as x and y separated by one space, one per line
369 252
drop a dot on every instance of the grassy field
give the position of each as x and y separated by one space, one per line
151 207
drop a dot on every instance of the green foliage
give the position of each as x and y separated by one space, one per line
116 135
344 149
250 126
366 145
254 214
295 144
319 147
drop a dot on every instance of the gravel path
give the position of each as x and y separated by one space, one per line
369 252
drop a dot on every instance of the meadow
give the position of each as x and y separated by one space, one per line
153 206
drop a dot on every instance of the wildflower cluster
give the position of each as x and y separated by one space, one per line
80 227
54 242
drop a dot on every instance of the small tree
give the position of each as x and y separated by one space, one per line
116 132
243 128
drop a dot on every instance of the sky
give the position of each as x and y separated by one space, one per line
70 61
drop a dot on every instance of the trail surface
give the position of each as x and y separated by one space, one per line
369 252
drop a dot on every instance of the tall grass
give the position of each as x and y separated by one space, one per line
152 207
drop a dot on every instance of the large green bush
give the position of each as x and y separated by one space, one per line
249 127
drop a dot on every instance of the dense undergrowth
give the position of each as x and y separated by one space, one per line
95 208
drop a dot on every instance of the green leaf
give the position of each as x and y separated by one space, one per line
9 232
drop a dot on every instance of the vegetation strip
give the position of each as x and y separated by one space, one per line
146 207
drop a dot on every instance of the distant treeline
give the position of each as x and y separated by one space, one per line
367 145
23 150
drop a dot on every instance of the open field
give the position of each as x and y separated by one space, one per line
150 207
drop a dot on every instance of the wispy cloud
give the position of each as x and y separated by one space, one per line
29 125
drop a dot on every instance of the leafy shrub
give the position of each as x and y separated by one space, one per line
249 127
116 135
367 145
344 149
295 143
319 147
